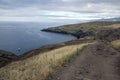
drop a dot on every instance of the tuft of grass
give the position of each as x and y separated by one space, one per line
114 26
39 67
116 44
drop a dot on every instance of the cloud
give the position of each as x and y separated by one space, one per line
59 9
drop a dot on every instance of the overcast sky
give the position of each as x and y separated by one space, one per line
53 10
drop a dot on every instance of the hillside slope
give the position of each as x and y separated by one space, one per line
39 67
87 29
96 62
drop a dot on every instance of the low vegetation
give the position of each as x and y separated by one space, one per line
116 44
114 26
108 35
99 30
5 57
39 67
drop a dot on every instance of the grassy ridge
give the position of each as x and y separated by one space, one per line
116 44
41 66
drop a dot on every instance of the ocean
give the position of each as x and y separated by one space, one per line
20 37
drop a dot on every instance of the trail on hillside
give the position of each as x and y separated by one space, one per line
96 62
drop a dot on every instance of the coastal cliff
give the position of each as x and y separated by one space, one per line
91 29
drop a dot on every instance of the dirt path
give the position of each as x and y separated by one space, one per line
96 62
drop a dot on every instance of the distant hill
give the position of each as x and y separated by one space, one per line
111 19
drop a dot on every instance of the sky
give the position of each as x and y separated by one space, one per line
58 10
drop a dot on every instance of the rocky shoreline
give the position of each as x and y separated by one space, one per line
81 34
6 57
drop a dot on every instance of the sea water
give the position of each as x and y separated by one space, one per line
20 37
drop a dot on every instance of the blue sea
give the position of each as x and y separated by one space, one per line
28 35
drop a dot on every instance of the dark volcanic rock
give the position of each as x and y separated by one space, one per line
6 57
77 33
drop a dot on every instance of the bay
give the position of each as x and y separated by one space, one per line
28 35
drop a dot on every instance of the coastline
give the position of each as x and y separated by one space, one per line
79 34
44 49
84 32
61 32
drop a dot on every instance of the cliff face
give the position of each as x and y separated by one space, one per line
87 29
6 57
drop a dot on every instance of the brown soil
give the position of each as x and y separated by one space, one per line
96 62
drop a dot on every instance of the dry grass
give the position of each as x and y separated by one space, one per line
41 66
86 27
114 26
116 44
